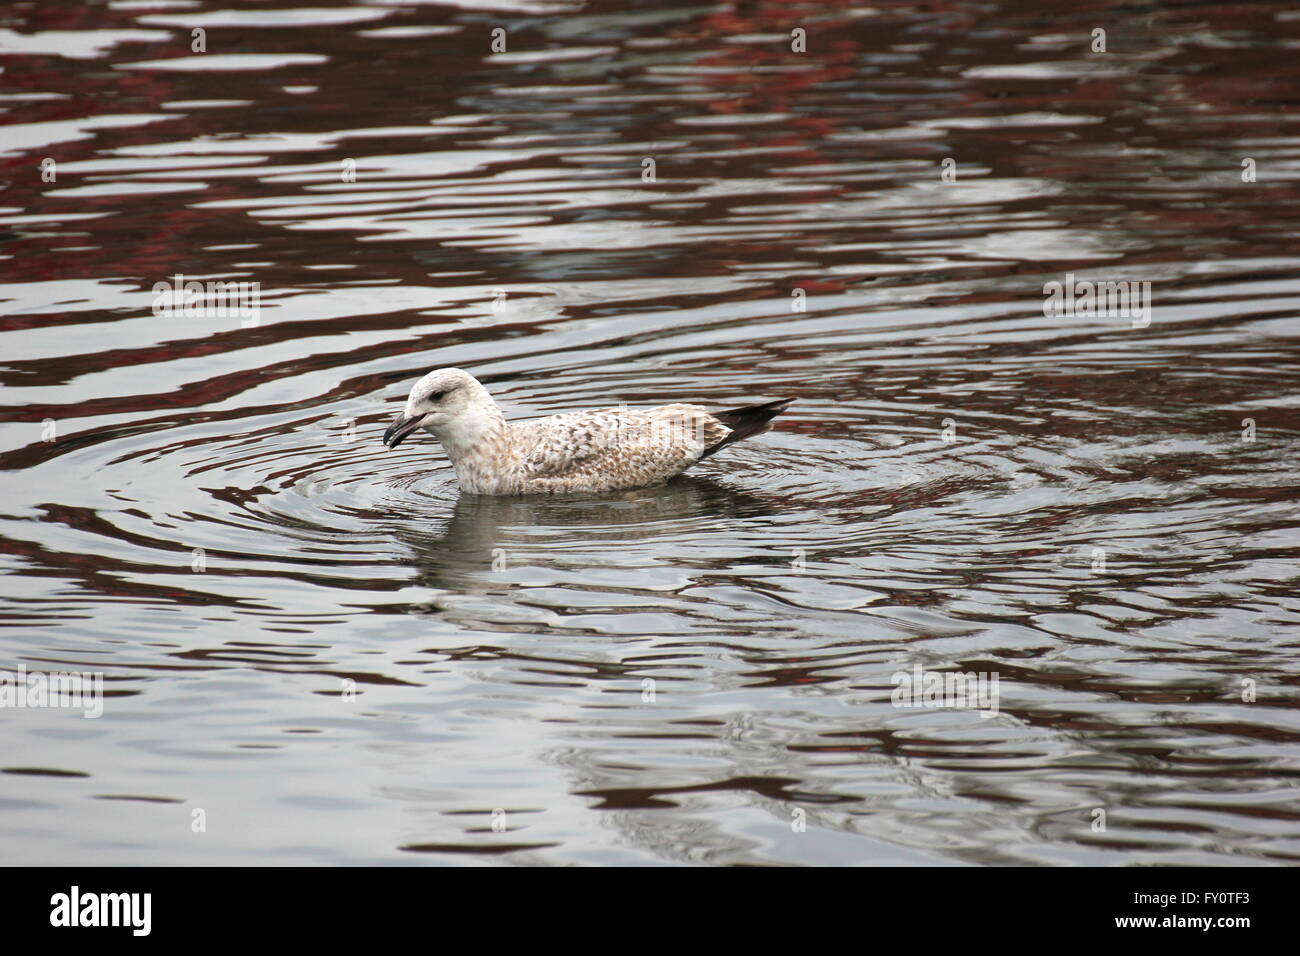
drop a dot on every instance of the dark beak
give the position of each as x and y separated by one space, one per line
401 427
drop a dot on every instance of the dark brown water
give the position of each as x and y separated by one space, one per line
1101 512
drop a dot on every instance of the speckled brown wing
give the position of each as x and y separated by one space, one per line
558 445
615 447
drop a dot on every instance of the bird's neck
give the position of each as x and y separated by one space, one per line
474 435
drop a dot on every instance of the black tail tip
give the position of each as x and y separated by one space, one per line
747 421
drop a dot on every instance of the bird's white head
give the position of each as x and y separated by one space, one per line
449 403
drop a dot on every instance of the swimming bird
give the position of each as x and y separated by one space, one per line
605 449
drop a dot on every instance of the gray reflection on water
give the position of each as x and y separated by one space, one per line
518 530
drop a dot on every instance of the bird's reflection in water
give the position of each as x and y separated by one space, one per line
486 534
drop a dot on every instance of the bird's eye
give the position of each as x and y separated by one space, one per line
436 396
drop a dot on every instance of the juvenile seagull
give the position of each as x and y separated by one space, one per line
601 450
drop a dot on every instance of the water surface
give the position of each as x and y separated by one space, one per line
337 658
